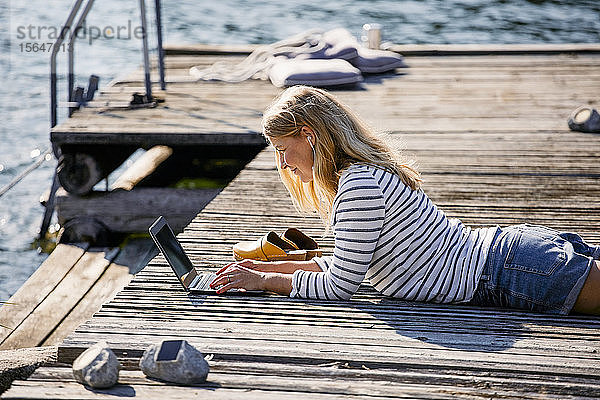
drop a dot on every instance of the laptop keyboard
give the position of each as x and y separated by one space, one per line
202 281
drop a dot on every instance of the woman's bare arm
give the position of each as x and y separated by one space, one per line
236 276
274 276
282 267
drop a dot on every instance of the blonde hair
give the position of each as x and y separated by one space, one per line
341 139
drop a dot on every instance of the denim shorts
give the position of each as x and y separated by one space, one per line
535 268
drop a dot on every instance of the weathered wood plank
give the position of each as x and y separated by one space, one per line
508 340
326 321
37 289
60 300
130 260
135 210
471 354
412 49
316 382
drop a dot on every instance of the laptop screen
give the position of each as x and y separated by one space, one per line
173 251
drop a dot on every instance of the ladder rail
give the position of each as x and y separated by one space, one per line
71 48
71 78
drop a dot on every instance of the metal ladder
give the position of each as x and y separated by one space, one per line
92 86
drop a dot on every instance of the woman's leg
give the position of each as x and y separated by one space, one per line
588 301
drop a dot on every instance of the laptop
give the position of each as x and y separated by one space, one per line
190 279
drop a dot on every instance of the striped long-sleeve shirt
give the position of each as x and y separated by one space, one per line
399 240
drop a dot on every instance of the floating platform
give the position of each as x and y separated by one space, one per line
489 133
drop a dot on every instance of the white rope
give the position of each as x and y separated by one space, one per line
45 156
258 63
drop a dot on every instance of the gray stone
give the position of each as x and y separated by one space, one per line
187 367
97 367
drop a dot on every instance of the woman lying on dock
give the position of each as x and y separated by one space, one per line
387 230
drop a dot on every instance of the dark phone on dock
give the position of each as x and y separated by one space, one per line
169 350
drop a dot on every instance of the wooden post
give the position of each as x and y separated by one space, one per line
142 167
49 207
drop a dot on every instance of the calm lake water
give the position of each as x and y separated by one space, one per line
24 74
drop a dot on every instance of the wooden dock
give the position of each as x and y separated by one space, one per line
490 135
67 289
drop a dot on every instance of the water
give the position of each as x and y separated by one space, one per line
24 75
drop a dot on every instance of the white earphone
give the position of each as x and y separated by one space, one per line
313 150
311 145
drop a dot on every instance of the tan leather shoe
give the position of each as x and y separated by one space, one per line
270 247
302 242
